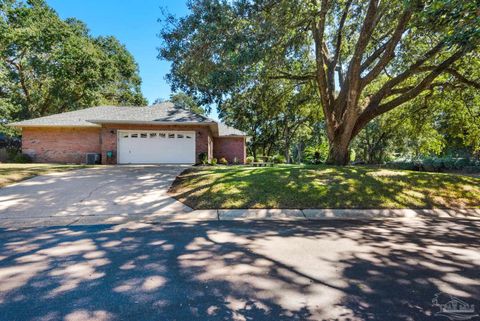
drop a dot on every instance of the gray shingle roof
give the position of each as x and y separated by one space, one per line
165 112
224 130
92 117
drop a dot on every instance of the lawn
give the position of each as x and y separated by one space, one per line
298 186
11 173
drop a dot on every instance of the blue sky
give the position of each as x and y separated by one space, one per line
135 24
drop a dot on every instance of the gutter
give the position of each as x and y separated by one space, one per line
20 125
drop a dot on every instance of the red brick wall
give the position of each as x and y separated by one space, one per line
109 137
60 145
70 145
230 147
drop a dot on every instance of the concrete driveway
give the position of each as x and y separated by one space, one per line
102 191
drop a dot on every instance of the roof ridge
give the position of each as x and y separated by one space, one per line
190 111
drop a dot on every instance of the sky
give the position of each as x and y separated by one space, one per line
135 24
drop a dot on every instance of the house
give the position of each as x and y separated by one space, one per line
163 133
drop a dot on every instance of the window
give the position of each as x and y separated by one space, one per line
171 135
153 135
188 137
143 135
125 135
179 135
134 135
161 135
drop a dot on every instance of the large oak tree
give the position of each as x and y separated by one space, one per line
365 57
49 65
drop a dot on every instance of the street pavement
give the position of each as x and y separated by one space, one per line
240 270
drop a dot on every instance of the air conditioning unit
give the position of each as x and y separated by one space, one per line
93 158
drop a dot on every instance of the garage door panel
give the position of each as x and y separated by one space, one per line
150 147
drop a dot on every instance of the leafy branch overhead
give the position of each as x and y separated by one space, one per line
365 58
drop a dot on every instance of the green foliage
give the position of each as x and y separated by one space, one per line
249 159
213 162
223 161
203 157
49 65
22 158
438 164
274 72
316 154
353 155
279 159
187 102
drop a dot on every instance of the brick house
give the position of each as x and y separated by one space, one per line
162 133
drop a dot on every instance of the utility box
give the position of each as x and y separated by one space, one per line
93 159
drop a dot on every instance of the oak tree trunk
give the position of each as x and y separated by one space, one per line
340 136
338 153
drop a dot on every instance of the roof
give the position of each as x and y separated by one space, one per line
224 130
164 113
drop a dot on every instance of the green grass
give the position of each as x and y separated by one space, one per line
299 186
12 173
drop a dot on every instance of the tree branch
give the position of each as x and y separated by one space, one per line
455 73
287 75
365 34
318 30
374 108
383 108
387 87
339 37
390 47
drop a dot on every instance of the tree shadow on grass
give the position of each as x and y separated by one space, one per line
323 187
335 270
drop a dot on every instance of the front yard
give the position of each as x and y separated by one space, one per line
11 173
299 186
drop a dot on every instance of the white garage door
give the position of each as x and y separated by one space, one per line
153 147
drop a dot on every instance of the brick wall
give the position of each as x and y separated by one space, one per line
230 147
60 145
109 137
70 145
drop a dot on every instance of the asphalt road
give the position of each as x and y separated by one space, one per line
326 270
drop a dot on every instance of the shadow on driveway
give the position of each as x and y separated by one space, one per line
344 270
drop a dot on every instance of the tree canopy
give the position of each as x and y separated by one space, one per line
364 58
49 65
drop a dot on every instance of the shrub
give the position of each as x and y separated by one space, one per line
461 163
249 159
472 169
213 161
203 157
22 158
432 164
223 161
435 164
316 154
278 159
407 165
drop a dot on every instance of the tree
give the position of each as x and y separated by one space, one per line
48 65
273 113
185 101
366 58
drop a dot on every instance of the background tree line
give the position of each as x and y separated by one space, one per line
49 65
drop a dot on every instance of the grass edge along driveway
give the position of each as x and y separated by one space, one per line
322 186
12 173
